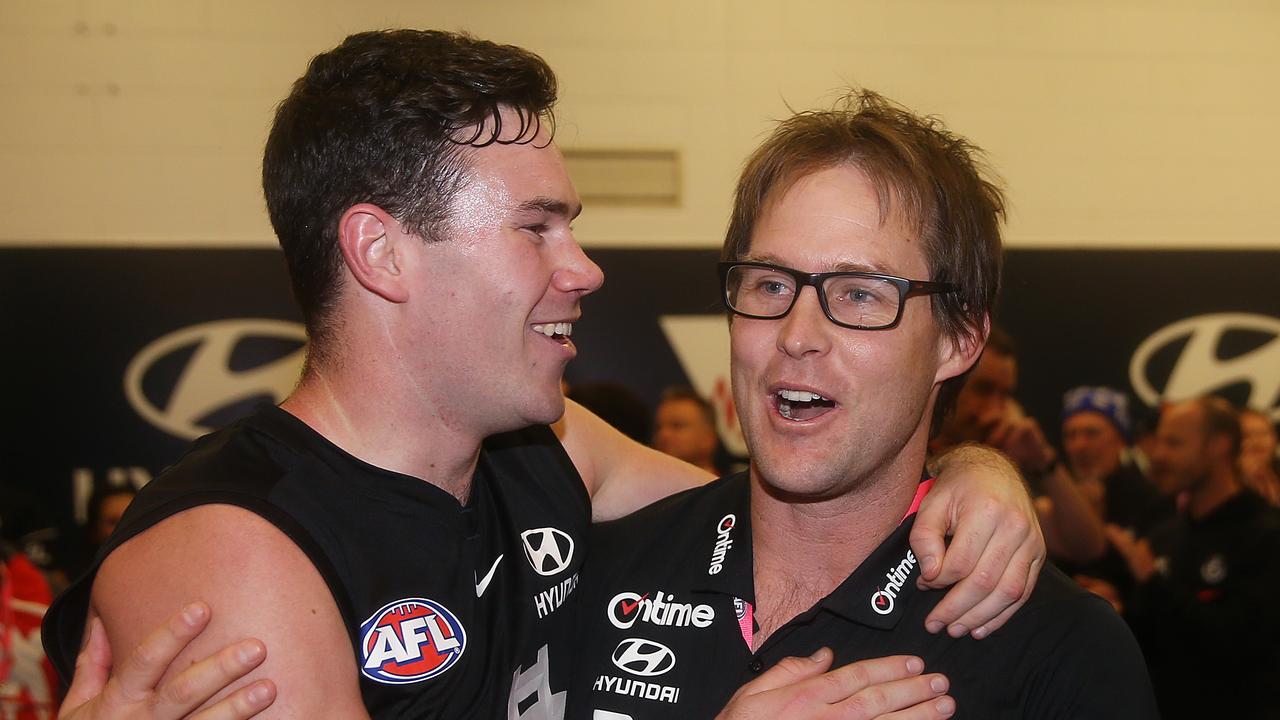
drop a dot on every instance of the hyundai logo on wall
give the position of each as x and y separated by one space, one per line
1206 361
182 381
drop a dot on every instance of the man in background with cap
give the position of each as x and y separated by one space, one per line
1095 432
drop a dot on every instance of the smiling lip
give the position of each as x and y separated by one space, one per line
557 331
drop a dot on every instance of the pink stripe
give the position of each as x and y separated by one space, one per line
921 490
746 623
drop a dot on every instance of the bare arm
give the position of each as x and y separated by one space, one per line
257 583
621 475
1074 525
997 548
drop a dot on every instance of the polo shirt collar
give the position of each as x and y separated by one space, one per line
887 578
723 561
877 593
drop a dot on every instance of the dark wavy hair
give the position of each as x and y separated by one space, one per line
388 118
937 180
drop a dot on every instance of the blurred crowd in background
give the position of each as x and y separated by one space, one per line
1171 515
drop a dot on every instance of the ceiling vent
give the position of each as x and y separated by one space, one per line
625 177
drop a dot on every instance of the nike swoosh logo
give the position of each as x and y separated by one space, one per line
483 585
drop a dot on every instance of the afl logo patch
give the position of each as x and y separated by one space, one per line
410 640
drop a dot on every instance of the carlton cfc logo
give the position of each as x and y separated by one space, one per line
410 640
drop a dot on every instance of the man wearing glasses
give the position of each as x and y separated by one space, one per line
838 374
405 533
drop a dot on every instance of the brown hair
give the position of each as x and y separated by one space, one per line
936 176
388 118
938 180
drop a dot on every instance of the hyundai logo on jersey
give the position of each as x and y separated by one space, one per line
410 640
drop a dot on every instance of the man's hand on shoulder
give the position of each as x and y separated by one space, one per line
997 548
135 691
805 688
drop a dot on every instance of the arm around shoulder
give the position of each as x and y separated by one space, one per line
258 584
621 475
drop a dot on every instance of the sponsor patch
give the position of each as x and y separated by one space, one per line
882 600
549 550
409 641
724 529
645 658
627 607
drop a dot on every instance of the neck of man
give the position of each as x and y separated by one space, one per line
354 407
803 550
1217 487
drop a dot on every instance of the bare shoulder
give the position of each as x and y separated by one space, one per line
258 584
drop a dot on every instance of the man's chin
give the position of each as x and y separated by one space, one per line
547 411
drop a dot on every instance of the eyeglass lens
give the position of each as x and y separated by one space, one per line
851 299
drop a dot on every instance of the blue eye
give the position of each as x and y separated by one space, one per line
862 291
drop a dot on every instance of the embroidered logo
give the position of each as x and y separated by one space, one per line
410 640
549 550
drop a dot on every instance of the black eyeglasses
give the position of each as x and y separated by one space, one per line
856 300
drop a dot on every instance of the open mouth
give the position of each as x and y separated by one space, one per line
800 405
559 331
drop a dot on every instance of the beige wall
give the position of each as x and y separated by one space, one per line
1148 123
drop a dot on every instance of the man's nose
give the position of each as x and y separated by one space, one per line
805 330
578 273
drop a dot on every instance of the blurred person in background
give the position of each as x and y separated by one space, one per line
685 427
28 683
1203 602
1095 432
1260 468
106 507
987 413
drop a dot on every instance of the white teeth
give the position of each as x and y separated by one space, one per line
784 409
549 329
799 395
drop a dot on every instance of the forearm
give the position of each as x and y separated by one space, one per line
1077 527
620 474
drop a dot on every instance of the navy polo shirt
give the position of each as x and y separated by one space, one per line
668 597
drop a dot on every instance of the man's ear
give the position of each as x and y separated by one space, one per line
957 354
373 248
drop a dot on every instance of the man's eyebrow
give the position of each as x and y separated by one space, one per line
838 267
550 206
